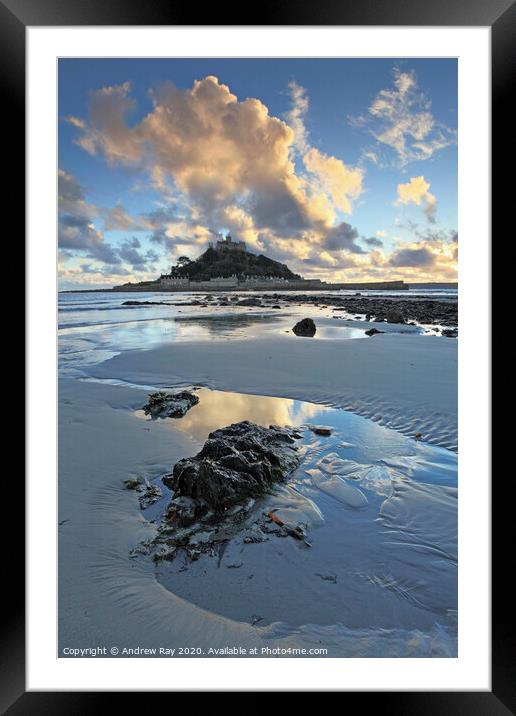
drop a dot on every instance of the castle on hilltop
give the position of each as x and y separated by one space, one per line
227 265
227 244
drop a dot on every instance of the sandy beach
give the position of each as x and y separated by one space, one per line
377 495
401 381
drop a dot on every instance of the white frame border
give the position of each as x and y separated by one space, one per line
471 670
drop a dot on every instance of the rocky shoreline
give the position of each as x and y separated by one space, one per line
393 309
378 308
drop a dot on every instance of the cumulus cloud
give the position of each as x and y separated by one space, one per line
413 257
95 275
416 261
76 230
117 218
71 196
409 261
109 108
104 271
78 235
425 260
221 152
334 179
129 252
343 237
373 241
213 146
416 191
221 162
340 182
400 119
296 115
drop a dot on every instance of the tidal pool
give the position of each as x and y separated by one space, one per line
380 510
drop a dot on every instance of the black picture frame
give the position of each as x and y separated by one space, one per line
500 15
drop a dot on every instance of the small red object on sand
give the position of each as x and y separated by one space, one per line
274 518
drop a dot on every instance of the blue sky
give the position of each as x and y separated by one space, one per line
343 169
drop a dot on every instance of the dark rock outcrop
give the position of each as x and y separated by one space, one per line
373 332
305 327
394 316
424 310
249 302
321 429
169 405
450 332
236 463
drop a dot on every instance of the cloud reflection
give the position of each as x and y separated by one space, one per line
217 409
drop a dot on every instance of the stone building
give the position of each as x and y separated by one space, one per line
169 281
227 244
218 282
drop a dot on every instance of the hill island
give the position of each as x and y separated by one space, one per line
227 264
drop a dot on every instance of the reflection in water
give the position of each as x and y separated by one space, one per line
84 343
364 438
230 320
337 332
217 409
234 326
87 344
381 511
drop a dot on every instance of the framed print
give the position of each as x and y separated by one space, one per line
266 431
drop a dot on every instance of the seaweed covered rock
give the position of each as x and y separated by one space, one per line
305 327
169 405
236 463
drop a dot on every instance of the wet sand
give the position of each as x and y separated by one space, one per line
353 593
403 381
380 505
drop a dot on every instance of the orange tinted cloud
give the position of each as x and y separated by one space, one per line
416 191
221 152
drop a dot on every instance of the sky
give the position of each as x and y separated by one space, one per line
344 169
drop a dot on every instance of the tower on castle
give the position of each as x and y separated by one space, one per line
226 243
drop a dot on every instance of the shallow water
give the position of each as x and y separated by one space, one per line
94 332
381 510
96 326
